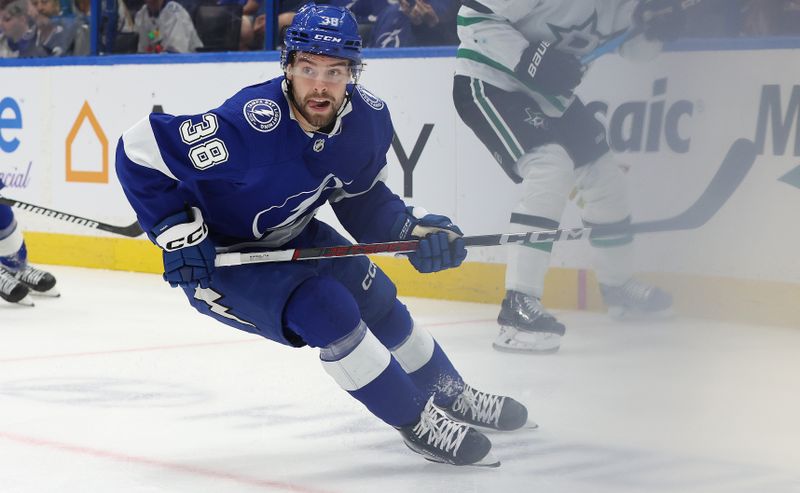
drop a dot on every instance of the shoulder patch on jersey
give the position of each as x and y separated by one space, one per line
374 101
262 114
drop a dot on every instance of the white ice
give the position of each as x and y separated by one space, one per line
120 386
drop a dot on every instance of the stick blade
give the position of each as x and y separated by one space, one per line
731 173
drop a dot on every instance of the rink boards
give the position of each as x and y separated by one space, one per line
670 122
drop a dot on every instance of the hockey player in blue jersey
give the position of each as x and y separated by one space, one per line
18 278
252 174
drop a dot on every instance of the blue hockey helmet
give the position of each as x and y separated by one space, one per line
324 30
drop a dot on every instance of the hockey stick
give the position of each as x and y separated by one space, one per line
726 180
131 231
609 46
614 43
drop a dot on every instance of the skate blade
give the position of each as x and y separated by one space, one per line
50 293
523 350
490 461
26 301
624 314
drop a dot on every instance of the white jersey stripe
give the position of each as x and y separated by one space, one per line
495 120
141 147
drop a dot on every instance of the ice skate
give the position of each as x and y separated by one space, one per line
40 282
491 411
12 290
526 327
636 299
439 438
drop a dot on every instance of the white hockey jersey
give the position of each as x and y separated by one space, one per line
494 33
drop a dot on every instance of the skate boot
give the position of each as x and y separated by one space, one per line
488 410
525 326
40 282
439 438
636 299
12 290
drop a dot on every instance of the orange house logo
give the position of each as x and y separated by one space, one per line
73 175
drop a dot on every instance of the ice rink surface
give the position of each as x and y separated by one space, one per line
120 386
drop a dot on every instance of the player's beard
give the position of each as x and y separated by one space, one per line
319 120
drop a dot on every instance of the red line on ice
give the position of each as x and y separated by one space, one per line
173 466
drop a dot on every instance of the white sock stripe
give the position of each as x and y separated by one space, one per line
415 351
361 366
11 243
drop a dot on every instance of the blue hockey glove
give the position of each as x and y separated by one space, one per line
549 71
441 245
660 20
188 252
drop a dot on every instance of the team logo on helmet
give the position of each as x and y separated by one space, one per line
262 114
371 99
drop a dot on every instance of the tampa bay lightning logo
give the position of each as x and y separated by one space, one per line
262 114
374 101
294 208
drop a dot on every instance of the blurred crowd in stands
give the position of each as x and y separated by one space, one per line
40 28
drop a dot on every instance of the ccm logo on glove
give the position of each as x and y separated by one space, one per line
184 235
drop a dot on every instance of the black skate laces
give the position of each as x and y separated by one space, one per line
442 432
484 408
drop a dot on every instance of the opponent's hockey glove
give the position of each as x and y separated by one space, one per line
660 20
549 71
441 245
188 252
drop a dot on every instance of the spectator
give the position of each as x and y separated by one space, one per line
416 23
714 19
56 34
18 30
165 27
771 18
126 9
252 10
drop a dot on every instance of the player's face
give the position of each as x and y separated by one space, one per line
318 84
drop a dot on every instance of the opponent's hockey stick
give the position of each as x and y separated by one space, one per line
614 43
131 231
734 168
609 46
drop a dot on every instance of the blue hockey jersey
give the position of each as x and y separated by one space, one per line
255 174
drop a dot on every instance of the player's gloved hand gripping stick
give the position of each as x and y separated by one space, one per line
188 253
440 244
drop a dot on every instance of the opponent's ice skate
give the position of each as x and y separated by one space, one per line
491 411
526 327
39 282
439 438
12 290
635 299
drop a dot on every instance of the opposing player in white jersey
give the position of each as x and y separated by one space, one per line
517 67
252 174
